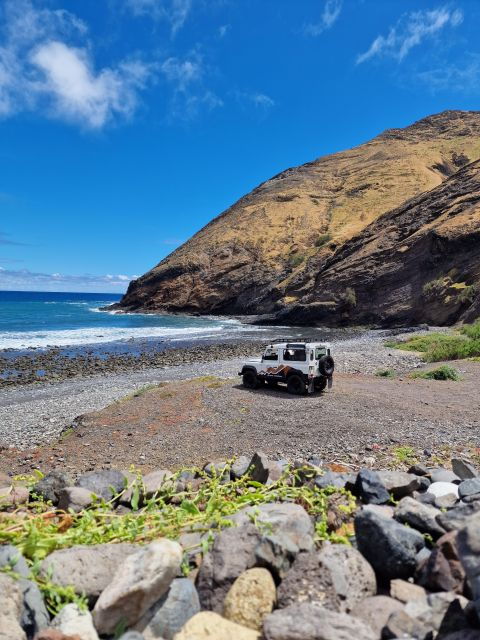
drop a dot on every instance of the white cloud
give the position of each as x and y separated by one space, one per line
410 31
255 98
223 30
175 12
330 14
23 279
182 72
40 68
465 79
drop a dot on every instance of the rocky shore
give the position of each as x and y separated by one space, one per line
252 548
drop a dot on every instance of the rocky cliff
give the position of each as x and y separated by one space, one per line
357 236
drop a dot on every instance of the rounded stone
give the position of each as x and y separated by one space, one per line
208 625
251 597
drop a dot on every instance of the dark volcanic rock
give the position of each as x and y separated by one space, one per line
369 488
50 486
104 484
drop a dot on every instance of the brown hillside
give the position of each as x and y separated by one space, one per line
268 251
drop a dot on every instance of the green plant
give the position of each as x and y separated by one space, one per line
445 372
443 346
323 239
385 373
467 294
296 260
434 288
405 454
472 330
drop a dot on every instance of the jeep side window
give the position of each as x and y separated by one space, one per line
270 354
297 355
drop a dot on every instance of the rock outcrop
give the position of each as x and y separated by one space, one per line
385 233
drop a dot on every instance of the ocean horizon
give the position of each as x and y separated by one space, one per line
41 319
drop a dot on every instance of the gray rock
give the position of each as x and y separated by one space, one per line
10 611
424 498
471 498
421 517
468 546
401 625
444 475
337 577
422 556
405 591
217 469
48 487
369 488
424 484
464 634
440 489
380 509
34 615
335 479
446 502
389 546
419 470
75 499
375 611
258 467
152 483
132 635
433 612
233 552
457 517
240 467
139 582
469 487
399 483
88 568
464 469
71 621
309 621
171 612
105 483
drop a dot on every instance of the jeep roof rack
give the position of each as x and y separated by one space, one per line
296 340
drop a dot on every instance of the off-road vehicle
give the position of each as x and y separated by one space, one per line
302 366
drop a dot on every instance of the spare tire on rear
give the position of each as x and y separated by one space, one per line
326 366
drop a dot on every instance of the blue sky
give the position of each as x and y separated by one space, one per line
126 125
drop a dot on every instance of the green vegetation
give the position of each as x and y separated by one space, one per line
322 240
405 455
385 373
38 531
445 372
434 288
296 260
442 346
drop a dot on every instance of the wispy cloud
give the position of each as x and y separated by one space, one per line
175 12
330 14
223 30
5 239
465 79
46 64
23 279
410 31
256 99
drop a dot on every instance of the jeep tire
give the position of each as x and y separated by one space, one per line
296 385
272 384
326 366
250 380
321 384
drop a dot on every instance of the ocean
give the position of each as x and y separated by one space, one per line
43 319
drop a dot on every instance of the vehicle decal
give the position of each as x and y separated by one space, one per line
280 370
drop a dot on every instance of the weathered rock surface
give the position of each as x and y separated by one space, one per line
369 487
139 582
406 591
443 571
464 469
48 488
72 621
250 598
375 611
89 569
11 609
104 483
207 625
310 621
388 546
421 517
75 498
469 487
456 518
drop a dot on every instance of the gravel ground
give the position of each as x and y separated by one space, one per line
36 414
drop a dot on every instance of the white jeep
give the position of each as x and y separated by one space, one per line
302 366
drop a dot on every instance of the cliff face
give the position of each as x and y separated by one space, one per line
291 245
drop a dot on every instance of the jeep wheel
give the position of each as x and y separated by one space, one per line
250 380
326 366
320 384
296 385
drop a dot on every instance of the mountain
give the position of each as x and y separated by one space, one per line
320 242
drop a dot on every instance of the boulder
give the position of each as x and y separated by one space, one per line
258 468
464 469
49 486
11 609
369 488
399 483
446 502
406 591
443 570
240 467
469 487
389 546
401 625
171 612
419 470
250 598
457 517
335 479
152 483
13 496
468 546
134 635
380 509
88 568
207 625
439 612
310 621
375 611
337 577
421 517
75 499
140 581
439 489
72 621
444 475
217 470
104 484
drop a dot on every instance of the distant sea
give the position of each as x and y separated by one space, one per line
43 319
